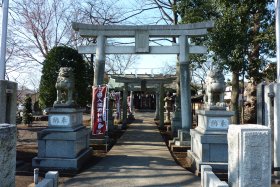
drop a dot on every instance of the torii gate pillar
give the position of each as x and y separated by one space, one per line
185 93
99 60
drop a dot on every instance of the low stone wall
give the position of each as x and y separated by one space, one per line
50 180
7 154
209 179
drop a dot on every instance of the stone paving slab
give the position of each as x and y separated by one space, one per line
140 158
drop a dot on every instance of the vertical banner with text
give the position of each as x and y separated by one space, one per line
98 110
118 107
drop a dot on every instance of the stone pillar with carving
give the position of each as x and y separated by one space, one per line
64 144
209 139
176 117
131 107
124 106
157 104
168 107
161 105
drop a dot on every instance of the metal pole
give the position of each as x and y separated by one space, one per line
5 6
107 114
277 93
277 29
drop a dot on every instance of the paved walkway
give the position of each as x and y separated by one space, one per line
140 158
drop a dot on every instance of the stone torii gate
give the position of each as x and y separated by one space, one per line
157 81
142 34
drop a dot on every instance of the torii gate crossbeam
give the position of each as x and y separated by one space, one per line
142 35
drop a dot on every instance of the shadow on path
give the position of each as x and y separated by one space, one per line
140 158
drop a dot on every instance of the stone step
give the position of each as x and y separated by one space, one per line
172 142
175 148
180 154
97 141
102 140
98 146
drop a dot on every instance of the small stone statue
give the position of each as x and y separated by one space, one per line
64 86
215 87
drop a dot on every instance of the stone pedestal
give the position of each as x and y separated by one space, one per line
64 145
209 140
8 140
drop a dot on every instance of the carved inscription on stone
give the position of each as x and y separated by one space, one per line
256 158
59 120
218 123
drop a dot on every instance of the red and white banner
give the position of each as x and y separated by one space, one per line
118 107
98 110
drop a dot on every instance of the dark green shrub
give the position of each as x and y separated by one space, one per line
63 56
27 111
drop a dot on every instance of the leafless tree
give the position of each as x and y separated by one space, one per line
38 26
199 72
118 64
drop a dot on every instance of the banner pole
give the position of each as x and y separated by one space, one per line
107 114
92 112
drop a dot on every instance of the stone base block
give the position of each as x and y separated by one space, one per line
176 123
62 163
184 138
182 143
196 164
100 140
61 118
213 121
57 144
208 149
60 150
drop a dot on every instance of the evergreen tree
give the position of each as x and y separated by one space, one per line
243 35
27 111
63 56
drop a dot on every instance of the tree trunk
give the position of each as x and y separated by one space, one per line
234 98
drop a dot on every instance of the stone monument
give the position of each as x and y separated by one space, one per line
249 155
8 141
64 144
209 138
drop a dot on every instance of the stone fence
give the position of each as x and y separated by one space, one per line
209 179
50 180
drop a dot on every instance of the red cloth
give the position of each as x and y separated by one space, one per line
98 110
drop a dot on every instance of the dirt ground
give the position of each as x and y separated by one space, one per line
27 149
